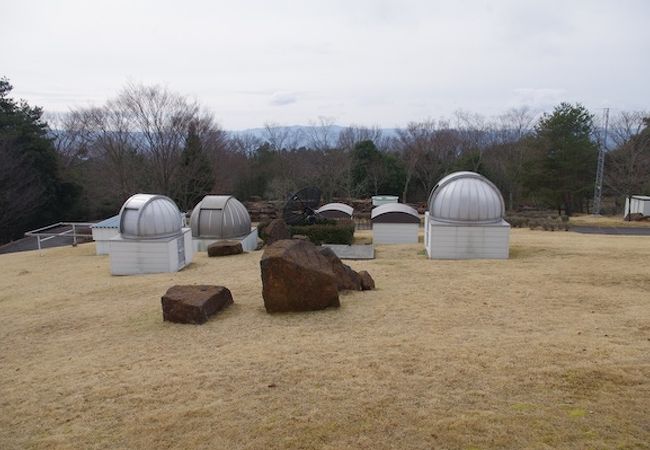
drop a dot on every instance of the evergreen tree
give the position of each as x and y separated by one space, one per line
32 193
562 169
196 175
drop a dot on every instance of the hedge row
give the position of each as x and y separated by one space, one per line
338 232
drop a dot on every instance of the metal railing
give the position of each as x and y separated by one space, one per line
70 230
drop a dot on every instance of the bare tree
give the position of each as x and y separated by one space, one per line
280 137
320 134
161 118
627 168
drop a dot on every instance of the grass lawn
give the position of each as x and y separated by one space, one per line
588 220
549 349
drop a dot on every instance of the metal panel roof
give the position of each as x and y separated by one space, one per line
347 209
111 222
393 208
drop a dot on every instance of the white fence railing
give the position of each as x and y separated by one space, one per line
75 230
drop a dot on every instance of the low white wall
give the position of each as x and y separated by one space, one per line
468 242
101 236
395 233
248 242
132 256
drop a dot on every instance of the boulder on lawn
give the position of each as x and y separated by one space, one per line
225 248
346 277
276 230
296 277
194 303
367 283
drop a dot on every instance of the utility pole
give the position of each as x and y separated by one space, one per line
598 188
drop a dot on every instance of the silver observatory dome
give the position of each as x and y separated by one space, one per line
466 197
148 216
220 217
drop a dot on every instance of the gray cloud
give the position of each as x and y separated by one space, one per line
282 99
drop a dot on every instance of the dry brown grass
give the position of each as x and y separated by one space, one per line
549 349
588 220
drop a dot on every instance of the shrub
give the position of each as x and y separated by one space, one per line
260 229
331 232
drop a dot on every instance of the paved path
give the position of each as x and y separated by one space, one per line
31 243
640 231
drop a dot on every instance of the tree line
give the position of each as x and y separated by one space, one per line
82 165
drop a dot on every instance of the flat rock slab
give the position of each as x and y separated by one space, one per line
225 248
194 303
353 251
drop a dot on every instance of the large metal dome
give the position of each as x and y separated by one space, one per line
220 217
466 197
147 216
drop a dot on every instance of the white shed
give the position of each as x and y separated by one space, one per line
465 219
151 237
335 211
378 200
640 204
103 232
222 217
394 223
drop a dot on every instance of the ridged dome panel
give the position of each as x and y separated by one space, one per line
394 213
466 197
147 216
341 207
220 217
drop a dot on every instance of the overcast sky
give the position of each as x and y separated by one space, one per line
368 62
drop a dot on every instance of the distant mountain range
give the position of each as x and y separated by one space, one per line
303 133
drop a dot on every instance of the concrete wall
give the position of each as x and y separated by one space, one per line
395 233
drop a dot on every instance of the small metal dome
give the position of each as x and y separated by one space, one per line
147 216
220 217
335 210
394 213
466 197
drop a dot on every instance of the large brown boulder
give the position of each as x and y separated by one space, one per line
296 277
276 230
346 277
367 283
194 303
225 248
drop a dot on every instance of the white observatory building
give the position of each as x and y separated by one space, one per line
394 223
219 218
465 219
151 237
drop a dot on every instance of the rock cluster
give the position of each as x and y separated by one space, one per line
298 276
